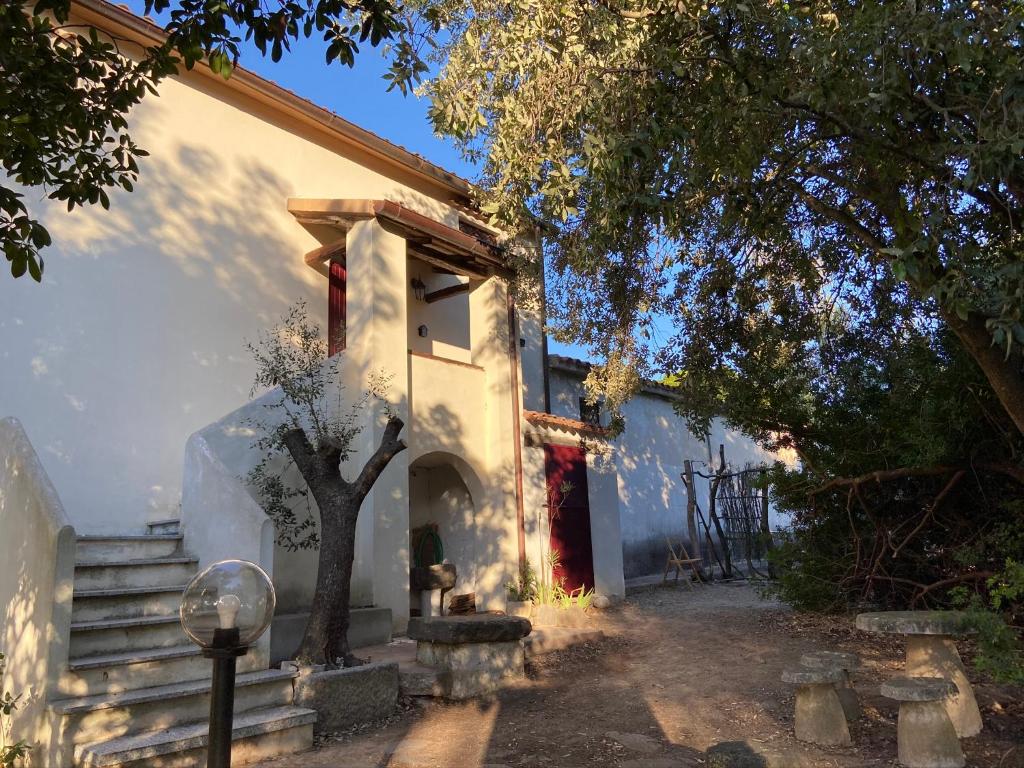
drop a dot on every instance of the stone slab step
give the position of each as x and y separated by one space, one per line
103 636
147 572
87 719
126 602
170 525
117 548
132 670
257 735
547 639
419 680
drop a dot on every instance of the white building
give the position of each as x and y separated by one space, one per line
126 383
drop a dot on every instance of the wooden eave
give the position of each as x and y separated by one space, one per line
435 243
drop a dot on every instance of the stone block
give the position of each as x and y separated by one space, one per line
367 626
472 669
521 608
556 616
474 628
346 697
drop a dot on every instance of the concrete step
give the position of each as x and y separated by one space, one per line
120 548
258 734
87 719
152 572
92 638
132 670
171 525
126 602
547 639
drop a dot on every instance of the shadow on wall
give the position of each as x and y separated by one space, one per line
448 489
156 297
644 557
37 556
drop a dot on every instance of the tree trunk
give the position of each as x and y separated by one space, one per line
1003 373
326 636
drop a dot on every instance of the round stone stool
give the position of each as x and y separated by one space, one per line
925 735
844 661
931 652
819 713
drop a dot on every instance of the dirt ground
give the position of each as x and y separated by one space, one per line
682 679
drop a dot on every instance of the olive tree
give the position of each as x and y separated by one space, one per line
308 427
687 152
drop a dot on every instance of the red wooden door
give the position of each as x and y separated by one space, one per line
569 515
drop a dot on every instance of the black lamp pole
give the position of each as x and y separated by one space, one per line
224 652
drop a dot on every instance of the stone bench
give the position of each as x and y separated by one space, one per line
925 735
472 654
819 716
846 662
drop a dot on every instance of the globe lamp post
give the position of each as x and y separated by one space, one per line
224 610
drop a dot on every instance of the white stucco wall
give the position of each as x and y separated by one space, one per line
446 320
37 561
649 456
135 338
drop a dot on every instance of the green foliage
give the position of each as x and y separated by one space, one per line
68 88
754 172
524 587
1000 651
64 103
10 754
558 596
293 356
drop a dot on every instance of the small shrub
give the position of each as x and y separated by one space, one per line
10 754
1000 653
524 588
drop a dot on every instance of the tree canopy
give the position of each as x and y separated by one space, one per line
67 89
762 173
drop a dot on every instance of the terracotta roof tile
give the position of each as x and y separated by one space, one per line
562 422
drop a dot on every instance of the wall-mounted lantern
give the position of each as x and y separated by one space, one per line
224 610
423 331
419 289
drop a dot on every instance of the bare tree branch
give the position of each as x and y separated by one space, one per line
390 446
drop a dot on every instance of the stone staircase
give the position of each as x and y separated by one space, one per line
136 692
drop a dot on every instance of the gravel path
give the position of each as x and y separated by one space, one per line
684 679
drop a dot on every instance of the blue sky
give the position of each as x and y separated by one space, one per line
359 94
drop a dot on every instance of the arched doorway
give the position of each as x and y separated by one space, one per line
443 496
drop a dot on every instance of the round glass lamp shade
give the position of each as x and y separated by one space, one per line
229 604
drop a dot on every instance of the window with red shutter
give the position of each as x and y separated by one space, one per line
336 308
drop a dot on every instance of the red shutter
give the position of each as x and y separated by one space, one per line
336 308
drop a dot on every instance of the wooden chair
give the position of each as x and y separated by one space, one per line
681 562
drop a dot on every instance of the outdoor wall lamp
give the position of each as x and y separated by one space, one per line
224 610
423 331
419 288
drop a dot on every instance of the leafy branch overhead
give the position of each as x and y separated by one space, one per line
719 165
68 89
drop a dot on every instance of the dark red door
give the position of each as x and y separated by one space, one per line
565 468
